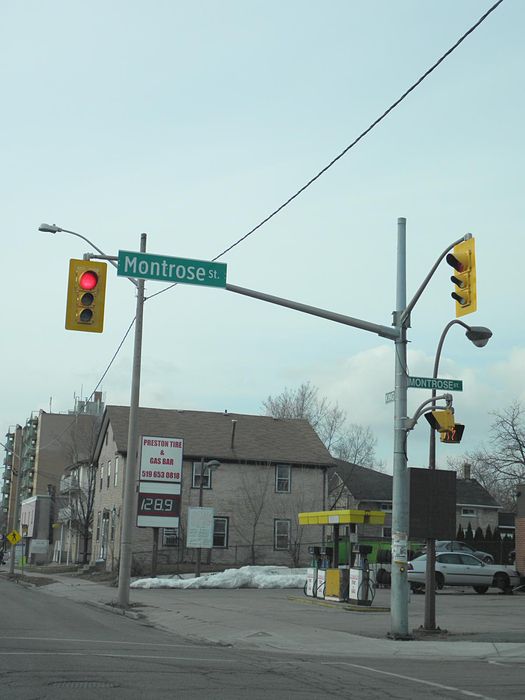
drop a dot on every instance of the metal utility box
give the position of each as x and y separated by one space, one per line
336 586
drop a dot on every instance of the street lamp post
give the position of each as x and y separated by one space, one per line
479 336
131 471
206 468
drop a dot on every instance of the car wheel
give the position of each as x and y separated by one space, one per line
480 589
440 581
502 582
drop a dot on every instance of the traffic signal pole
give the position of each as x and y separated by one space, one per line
131 471
402 424
400 505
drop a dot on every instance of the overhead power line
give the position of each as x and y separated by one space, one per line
326 168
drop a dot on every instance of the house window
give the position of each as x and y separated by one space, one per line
196 477
109 474
220 532
101 476
113 523
281 534
387 533
170 536
386 507
99 515
468 511
115 480
282 478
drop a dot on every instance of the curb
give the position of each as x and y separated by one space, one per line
114 609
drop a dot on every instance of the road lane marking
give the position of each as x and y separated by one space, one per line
468 693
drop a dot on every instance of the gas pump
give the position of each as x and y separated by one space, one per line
361 591
312 573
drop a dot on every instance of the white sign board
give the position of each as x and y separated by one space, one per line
159 505
354 583
161 458
39 547
200 528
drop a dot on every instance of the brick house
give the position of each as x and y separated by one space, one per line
271 469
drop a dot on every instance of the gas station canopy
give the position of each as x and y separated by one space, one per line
342 517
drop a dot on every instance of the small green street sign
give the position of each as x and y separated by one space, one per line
390 396
438 384
166 269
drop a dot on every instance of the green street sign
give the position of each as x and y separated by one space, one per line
166 269
438 384
390 396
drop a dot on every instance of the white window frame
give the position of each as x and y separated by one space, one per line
101 466
466 512
115 477
196 474
224 534
278 523
279 479
385 507
109 474
170 536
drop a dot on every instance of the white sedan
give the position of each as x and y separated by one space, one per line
461 569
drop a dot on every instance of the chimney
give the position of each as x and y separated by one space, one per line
234 424
466 471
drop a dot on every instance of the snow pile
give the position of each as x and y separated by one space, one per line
245 577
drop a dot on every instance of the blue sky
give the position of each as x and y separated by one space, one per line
192 122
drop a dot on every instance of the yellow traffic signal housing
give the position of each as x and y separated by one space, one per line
463 260
86 293
441 419
453 436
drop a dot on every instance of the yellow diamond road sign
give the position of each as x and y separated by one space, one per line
14 536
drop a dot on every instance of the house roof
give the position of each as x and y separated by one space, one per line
471 492
369 485
363 483
209 435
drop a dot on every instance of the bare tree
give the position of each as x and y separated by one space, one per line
255 489
351 442
83 475
289 508
500 467
356 445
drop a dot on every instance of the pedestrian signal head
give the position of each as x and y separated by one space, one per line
453 436
441 419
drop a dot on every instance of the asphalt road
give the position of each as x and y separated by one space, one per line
56 648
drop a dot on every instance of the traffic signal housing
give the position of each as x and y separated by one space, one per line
463 260
453 436
86 293
441 419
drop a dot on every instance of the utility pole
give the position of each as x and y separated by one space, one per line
399 589
130 472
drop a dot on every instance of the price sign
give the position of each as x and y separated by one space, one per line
158 505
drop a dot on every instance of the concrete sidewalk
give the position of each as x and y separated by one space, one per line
491 626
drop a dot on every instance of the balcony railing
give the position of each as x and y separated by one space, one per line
68 483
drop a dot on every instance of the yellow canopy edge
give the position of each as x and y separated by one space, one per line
342 517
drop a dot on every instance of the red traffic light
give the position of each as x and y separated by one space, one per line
455 263
88 280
